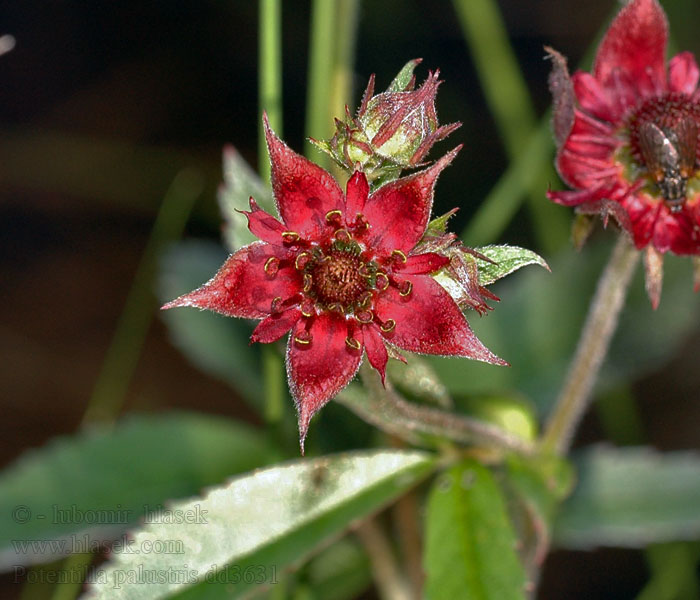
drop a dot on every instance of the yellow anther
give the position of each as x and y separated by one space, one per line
308 282
364 316
272 265
336 307
301 260
382 281
302 341
333 215
353 343
307 309
405 289
399 255
290 236
361 222
388 325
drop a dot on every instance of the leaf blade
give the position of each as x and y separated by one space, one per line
470 543
267 519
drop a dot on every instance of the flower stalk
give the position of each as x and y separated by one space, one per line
600 325
384 408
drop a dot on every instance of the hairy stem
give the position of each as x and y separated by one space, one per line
270 100
386 571
384 408
600 325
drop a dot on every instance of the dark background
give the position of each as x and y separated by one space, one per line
102 103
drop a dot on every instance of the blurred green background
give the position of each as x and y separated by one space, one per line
103 104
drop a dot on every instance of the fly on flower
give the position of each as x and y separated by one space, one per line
342 275
627 137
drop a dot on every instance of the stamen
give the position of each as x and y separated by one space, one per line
381 276
361 222
307 308
336 307
405 288
302 260
365 302
290 236
275 304
400 256
334 216
272 265
388 325
342 235
308 282
303 338
353 343
365 316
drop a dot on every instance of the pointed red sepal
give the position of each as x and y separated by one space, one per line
399 211
376 350
420 264
635 47
356 196
428 321
263 225
322 365
275 326
243 287
303 191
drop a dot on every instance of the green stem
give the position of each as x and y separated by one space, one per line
324 27
270 73
596 335
385 409
125 349
270 99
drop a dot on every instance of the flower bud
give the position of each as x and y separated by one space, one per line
393 130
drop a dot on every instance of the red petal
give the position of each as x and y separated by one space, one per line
593 97
428 321
241 287
420 264
304 192
635 45
375 349
398 212
357 192
319 370
683 73
275 326
263 225
576 197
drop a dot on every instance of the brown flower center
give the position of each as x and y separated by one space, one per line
664 139
336 279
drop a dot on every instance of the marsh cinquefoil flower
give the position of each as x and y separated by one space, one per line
627 137
339 273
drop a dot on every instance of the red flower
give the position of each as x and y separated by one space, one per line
339 273
628 135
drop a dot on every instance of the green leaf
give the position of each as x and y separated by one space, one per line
631 497
404 76
216 344
341 572
507 259
470 542
261 523
438 226
95 484
240 183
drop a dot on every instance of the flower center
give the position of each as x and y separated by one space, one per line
664 140
336 278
